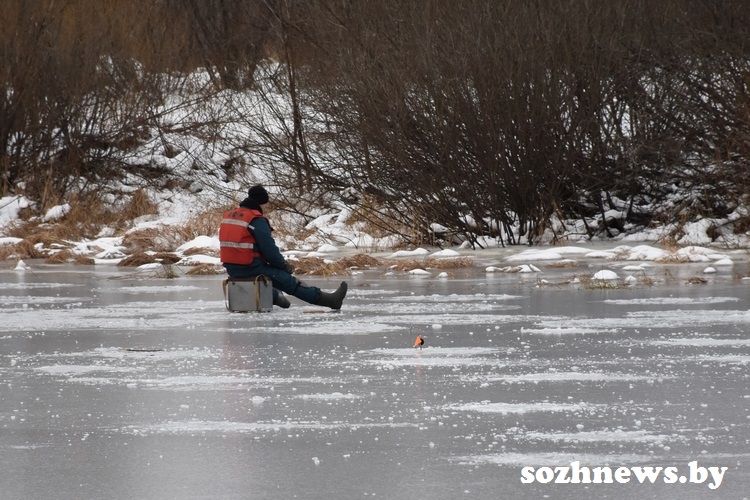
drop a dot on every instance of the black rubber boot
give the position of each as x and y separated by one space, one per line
281 301
333 300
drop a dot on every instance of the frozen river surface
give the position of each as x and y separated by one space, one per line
118 387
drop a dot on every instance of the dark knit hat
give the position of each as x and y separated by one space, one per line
259 194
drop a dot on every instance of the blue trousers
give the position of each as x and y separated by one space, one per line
280 279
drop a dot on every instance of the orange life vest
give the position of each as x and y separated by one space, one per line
236 243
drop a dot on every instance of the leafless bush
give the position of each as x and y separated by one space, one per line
483 116
508 114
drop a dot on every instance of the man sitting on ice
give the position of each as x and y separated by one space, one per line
248 249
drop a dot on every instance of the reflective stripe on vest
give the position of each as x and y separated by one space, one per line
231 244
236 222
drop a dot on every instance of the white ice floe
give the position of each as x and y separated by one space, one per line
84 369
198 259
565 330
643 252
420 272
704 342
660 301
160 289
436 351
601 254
605 275
177 427
552 459
433 357
335 396
419 252
608 436
523 268
22 266
208 242
563 376
151 266
640 267
446 253
508 408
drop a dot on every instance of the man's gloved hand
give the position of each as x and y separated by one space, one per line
289 268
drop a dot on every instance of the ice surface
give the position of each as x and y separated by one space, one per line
148 388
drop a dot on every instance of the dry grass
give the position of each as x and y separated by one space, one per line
165 238
696 280
47 234
673 259
65 256
142 258
203 224
156 239
205 270
87 215
319 267
138 205
360 261
560 264
23 250
647 280
167 258
137 259
589 283
201 251
7 252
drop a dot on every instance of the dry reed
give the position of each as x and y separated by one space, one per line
205 270
65 256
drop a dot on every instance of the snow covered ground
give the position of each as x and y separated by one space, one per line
118 384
